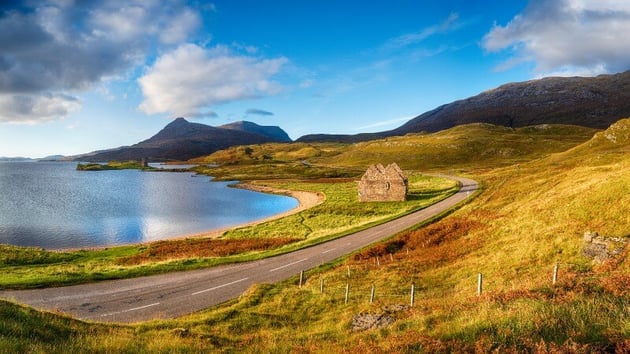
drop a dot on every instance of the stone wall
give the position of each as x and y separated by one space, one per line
383 184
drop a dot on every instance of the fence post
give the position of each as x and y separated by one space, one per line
321 285
479 284
347 292
555 273
391 257
372 294
348 271
301 278
407 250
413 293
378 262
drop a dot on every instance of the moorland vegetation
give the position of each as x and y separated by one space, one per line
543 188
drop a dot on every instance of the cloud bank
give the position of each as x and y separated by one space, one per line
53 50
566 37
190 78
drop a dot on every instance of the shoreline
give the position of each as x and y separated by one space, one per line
306 200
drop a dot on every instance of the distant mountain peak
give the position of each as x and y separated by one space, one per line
183 140
273 132
178 121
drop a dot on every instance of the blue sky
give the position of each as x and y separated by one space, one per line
78 76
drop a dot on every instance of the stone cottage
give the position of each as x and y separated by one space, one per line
383 184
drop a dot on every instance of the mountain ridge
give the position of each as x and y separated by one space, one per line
594 102
182 140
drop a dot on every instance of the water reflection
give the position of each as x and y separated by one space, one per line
52 205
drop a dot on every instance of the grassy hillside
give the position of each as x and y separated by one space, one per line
530 216
471 146
466 147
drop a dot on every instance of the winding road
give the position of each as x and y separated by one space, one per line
176 294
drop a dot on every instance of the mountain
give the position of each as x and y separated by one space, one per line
52 158
183 140
15 159
272 132
594 102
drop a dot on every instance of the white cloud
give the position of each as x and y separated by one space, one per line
211 76
408 39
179 27
34 108
50 48
385 123
566 37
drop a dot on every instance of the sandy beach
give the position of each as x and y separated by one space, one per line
305 200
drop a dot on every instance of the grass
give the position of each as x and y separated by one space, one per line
529 216
337 216
114 165
461 148
342 213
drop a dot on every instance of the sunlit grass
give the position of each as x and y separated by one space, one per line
528 217
337 216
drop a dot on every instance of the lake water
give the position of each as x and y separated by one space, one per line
51 205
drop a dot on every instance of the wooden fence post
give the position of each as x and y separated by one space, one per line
321 285
391 257
347 292
372 294
479 284
348 271
413 293
301 278
378 262
555 273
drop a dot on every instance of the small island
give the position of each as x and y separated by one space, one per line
116 165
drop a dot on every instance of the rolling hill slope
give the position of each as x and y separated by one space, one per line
463 147
530 216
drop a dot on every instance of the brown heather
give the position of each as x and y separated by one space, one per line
543 187
202 248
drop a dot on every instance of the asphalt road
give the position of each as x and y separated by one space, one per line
176 294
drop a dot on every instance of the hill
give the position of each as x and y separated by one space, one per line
528 217
462 147
182 140
594 102
275 133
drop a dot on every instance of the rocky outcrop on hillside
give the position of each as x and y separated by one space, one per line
594 102
600 248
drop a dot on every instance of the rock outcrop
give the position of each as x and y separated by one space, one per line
601 248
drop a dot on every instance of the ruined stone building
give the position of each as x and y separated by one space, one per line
383 184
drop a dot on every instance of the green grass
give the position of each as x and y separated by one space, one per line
532 213
342 213
114 165
339 215
466 147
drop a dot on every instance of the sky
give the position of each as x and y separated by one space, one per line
78 76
